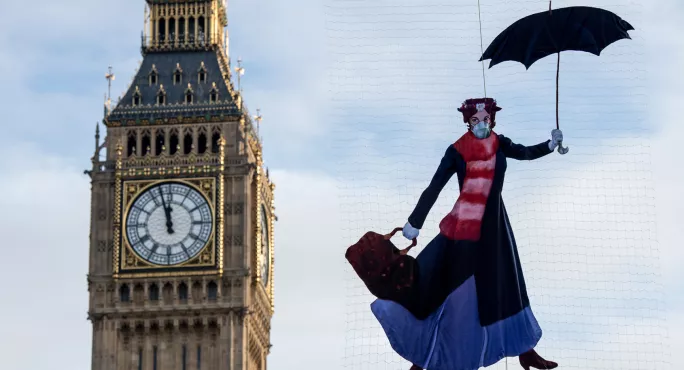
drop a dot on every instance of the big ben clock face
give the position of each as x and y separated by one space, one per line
265 248
169 223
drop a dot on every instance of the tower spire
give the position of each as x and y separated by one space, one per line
97 136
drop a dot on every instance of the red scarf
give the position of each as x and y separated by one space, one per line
465 219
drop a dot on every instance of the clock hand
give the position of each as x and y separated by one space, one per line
170 223
167 212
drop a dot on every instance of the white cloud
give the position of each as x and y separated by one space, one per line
44 222
53 96
308 327
666 56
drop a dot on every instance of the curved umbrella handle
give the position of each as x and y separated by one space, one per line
562 150
405 251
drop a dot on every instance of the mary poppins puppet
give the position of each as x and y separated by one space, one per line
471 307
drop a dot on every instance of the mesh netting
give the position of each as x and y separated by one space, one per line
584 222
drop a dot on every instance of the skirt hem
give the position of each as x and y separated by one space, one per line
452 338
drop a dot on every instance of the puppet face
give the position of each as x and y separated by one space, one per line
480 124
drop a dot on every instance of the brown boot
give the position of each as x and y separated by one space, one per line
531 359
416 367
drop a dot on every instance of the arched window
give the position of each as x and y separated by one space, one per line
212 291
130 145
138 294
124 293
197 292
167 293
213 94
202 143
187 143
174 143
182 292
215 142
159 144
146 144
172 30
137 97
178 75
153 75
161 95
202 73
162 30
201 30
181 30
153 291
189 94
191 29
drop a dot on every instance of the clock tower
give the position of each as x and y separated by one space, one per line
182 212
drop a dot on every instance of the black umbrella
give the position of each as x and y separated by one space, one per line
539 35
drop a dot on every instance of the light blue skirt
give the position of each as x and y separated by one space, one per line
452 338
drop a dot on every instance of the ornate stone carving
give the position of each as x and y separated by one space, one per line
141 140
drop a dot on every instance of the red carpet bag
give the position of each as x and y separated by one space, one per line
389 273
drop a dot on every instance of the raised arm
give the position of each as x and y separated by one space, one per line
447 167
524 153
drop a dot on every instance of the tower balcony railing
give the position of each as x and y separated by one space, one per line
181 41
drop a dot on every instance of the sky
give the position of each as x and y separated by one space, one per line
358 100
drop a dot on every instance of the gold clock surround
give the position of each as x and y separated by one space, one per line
208 261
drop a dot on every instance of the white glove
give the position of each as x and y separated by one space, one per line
410 232
556 138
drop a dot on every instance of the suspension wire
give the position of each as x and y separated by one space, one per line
484 80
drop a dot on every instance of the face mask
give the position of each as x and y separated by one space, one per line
481 130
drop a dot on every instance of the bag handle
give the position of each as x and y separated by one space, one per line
403 252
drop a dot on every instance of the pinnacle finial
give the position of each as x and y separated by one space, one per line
96 154
97 136
239 70
258 118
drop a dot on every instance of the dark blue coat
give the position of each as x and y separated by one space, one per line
445 264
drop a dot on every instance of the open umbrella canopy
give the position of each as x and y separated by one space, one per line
578 28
